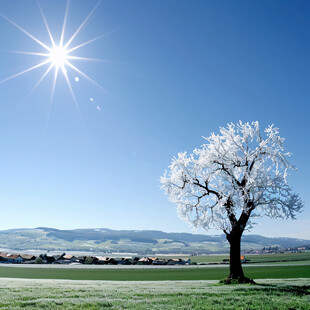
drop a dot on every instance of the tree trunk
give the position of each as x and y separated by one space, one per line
236 274
235 268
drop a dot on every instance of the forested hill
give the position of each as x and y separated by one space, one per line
134 241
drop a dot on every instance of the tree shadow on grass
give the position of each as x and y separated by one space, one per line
297 290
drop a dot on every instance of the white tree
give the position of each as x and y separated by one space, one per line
236 175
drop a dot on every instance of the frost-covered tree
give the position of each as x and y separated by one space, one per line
235 176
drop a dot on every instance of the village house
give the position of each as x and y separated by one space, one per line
145 261
178 261
67 259
11 258
28 258
158 261
70 258
123 261
103 260
47 259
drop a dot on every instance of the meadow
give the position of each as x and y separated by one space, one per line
288 258
63 294
154 273
284 286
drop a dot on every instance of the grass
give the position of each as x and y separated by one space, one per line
57 294
154 274
254 258
137 289
285 257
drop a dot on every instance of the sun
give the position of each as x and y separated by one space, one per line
57 56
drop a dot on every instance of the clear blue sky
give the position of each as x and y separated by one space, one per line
179 70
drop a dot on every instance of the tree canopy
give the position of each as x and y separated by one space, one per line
237 174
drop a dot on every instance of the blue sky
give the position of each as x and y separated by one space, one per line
178 70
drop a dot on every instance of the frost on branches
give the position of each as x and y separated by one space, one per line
237 174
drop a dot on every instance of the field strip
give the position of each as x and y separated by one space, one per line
15 282
157 267
23 281
154 274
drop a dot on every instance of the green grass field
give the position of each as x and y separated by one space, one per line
256 258
169 295
156 288
155 274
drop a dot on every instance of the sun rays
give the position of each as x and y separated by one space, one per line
56 54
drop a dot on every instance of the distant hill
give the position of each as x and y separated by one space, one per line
131 241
